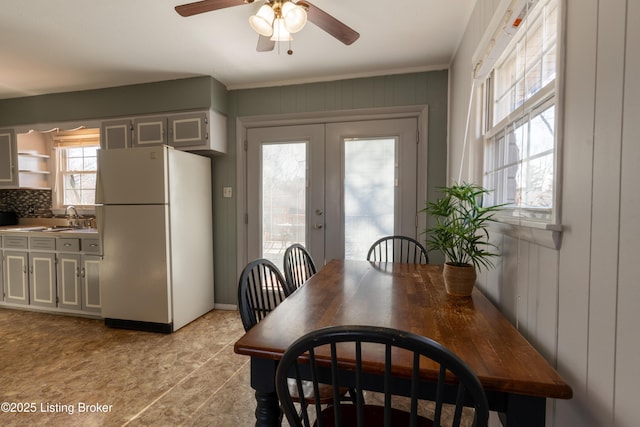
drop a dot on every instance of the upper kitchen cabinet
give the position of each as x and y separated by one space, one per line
8 159
199 131
149 131
204 131
116 134
188 130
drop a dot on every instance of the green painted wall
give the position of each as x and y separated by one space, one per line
148 98
430 88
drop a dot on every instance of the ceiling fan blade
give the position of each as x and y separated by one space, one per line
203 6
265 44
330 24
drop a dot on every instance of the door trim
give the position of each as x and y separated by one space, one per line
313 136
421 112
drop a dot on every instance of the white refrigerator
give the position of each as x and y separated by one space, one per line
154 217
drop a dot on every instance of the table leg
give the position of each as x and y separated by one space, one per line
263 375
524 411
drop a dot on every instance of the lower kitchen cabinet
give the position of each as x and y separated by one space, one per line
57 273
2 290
42 279
91 283
79 274
16 278
79 282
69 284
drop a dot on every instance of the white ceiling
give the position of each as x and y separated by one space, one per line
66 45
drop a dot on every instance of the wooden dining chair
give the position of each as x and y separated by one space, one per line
261 289
298 265
346 344
401 249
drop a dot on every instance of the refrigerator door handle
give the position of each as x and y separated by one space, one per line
99 192
100 220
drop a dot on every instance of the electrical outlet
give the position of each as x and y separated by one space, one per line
227 192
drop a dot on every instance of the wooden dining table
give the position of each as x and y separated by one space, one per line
411 297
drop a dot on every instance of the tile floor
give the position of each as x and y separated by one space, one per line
68 371
60 366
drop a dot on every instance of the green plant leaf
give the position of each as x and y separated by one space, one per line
460 232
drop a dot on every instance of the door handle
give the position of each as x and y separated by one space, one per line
317 226
319 212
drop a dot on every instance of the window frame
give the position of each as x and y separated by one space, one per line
59 207
549 94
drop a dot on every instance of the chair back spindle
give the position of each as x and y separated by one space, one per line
334 354
298 265
260 289
400 249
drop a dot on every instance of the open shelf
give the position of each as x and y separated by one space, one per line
36 155
34 171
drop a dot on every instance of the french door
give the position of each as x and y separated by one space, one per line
334 187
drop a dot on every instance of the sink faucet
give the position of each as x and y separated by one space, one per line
76 222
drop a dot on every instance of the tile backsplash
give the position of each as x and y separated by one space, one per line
26 203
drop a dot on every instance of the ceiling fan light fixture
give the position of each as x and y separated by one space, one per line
280 32
262 22
292 16
295 17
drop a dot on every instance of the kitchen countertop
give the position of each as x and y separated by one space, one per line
48 231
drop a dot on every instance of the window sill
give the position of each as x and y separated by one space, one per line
544 234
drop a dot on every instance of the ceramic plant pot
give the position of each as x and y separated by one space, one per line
459 281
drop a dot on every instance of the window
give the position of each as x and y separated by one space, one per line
76 170
520 139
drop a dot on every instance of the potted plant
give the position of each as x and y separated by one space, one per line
461 234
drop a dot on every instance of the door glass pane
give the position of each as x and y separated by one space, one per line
369 193
284 172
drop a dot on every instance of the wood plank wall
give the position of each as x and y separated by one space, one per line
578 305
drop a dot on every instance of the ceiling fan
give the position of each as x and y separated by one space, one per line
276 20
